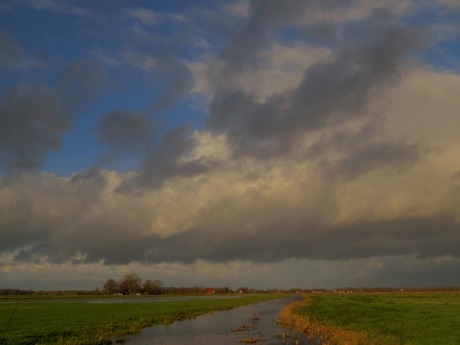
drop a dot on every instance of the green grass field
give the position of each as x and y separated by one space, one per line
63 322
390 318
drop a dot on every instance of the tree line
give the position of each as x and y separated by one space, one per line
156 287
132 284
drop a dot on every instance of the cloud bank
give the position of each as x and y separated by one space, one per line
329 144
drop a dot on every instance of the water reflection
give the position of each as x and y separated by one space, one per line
151 299
252 324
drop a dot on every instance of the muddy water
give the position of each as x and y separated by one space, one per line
251 324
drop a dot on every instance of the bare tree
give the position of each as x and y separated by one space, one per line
130 284
111 286
152 287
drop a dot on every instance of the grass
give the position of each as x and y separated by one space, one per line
379 319
37 297
77 323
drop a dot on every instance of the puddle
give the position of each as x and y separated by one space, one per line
251 324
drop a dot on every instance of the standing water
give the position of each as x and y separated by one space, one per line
251 324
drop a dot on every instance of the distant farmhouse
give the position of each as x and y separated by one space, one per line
210 291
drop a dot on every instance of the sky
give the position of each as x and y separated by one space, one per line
261 144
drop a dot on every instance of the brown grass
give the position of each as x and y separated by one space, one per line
324 334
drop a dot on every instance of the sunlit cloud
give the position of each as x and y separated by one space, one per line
306 144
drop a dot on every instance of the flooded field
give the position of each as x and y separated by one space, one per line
101 320
251 324
158 299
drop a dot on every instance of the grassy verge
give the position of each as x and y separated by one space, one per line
378 319
76 323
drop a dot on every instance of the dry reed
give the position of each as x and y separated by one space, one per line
327 334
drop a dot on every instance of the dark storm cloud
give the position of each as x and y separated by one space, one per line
330 93
82 80
96 240
31 124
125 129
246 44
177 81
266 22
167 161
360 152
251 126
375 155
26 231
419 236
164 79
410 271
46 205
87 185
64 220
276 198
81 219
125 134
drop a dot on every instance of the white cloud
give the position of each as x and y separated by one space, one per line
356 10
146 16
283 70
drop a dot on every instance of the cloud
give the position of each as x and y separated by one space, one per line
450 3
408 271
51 227
238 8
265 114
267 20
395 271
270 243
268 215
146 16
157 56
193 199
125 135
283 71
171 158
60 7
125 129
12 56
329 146
244 47
149 17
32 122
356 74
82 81
378 155
177 82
